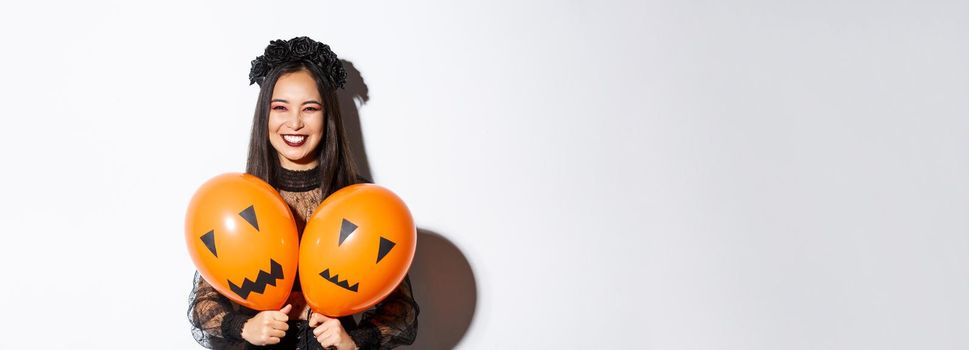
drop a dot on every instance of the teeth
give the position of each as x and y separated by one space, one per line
294 138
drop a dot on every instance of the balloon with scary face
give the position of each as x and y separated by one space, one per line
356 248
242 238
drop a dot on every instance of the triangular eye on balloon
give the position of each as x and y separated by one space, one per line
250 215
385 246
209 240
346 228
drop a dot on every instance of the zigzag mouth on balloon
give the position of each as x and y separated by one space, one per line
335 279
259 286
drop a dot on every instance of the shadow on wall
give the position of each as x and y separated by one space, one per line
354 95
442 280
445 290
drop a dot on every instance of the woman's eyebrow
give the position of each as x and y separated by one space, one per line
284 101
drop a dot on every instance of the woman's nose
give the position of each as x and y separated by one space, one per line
295 122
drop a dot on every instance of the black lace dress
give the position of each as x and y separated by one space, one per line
217 321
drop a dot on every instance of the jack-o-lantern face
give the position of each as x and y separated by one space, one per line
356 248
242 237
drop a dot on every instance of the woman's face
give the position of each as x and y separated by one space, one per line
296 120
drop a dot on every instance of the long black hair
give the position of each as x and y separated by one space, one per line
337 168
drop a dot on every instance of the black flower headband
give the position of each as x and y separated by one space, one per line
300 48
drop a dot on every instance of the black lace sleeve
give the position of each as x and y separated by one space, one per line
216 322
391 323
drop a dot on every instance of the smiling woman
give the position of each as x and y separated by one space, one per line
299 146
296 120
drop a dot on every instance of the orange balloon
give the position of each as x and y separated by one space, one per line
242 238
356 248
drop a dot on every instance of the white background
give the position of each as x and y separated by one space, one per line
608 174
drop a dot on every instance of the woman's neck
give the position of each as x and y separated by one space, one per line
297 166
296 180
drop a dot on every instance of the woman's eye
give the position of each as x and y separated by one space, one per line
312 109
279 108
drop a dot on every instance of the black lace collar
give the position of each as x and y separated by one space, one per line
296 180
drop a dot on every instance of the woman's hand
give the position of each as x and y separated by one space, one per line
330 333
267 327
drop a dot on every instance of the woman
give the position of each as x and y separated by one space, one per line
299 146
